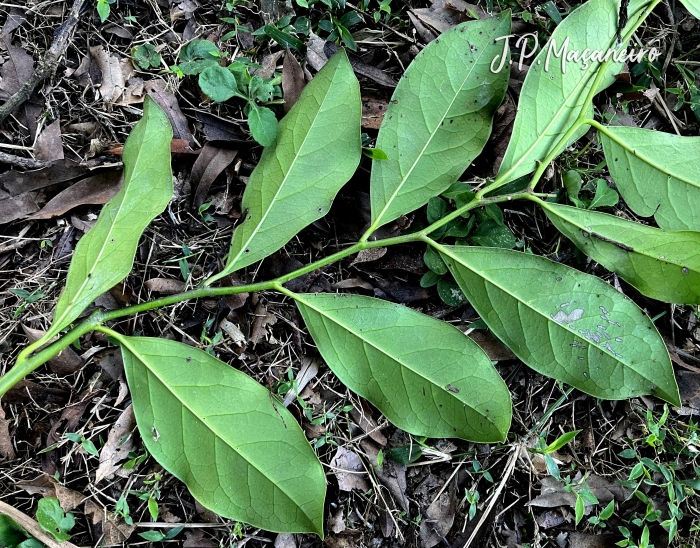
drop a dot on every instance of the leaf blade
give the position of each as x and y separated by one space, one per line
298 177
661 265
657 174
104 255
522 296
540 124
446 389
248 436
432 135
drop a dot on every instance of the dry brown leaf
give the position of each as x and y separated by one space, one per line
68 498
21 182
196 539
349 471
16 17
16 207
18 68
95 190
66 362
368 425
115 73
494 348
390 473
293 80
367 255
115 531
168 102
210 163
307 371
7 450
439 518
269 64
352 283
262 320
373 111
41 485
116 449
49 146
166 286
336 522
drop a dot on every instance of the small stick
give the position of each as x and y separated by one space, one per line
48 65
20 162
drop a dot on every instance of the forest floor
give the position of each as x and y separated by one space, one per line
61 426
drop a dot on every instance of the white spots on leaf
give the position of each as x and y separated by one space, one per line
685 270
562 317
156 434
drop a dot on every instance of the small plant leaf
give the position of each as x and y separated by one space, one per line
661 265
551 99
263 125
560 442
439 117
218 83
104 255
11 534
240 453
53 519
424 375
565 324
657 174
316 153
604 195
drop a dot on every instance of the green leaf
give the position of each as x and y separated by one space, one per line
146 56
439 117
104 255
434 262
53 519
316 153
657 174
693 6
200 49
604 195
424 375
608 510
661 265
218 84
284 39
551 99
376 154
580 508
152 536
560 442
429 279
103 10
565 324
262 123
449 292
492 234
30 543
11 534
572 183
239 452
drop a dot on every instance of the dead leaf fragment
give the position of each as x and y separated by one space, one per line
115 531
293 80
66 362
7 450
168 102
115 73
167 286
116 449
349 471
210 163
95 190
367 255
262 320
49 146
439 518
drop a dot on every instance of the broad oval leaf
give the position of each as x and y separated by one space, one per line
551 98
240 453
439 117
657 174
693 6
317 150
661 265
427 377
565 324
105 254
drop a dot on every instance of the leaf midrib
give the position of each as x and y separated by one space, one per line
430 139
230 267
300 299
124 341
483 275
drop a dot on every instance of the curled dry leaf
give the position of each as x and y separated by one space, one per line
7 450
368 255
115 73
157 90
210 163
292 80
117 449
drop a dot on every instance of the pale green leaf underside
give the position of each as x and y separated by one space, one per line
693 6
565 324
104 255
550 101
439 117
661 265
217 430
317 150
424 375
656 173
